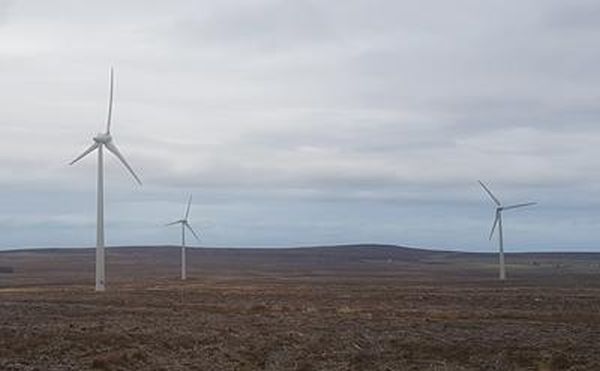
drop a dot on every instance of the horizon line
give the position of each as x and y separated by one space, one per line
312 246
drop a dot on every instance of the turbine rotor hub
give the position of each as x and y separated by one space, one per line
103 138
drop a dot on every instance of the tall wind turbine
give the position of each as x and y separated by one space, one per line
498 222
185 224
101 141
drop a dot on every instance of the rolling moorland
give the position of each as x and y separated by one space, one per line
359 307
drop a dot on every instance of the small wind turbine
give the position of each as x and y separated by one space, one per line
498 222
100 141
185 224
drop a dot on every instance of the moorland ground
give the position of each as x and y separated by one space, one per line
326 308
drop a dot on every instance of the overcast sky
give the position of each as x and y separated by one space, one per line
303 122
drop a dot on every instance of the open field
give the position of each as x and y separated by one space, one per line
330 308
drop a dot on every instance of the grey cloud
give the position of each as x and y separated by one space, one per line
4 10
576 15
263 26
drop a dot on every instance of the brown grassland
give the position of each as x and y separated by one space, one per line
326 308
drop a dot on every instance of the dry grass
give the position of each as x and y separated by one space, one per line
261 319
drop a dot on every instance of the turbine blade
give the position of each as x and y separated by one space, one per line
187 211
519 205
173 223
191 230
110 101
495 224
115 151
85 153
489 193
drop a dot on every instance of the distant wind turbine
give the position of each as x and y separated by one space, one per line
498 222
101 141
185 224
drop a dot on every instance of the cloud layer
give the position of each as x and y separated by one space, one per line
303 122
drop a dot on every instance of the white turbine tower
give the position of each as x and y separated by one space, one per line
100 141
185 224
498 222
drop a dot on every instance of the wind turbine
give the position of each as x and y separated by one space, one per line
101 141
498 222
185 224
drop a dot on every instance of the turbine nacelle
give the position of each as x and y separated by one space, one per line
103 138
